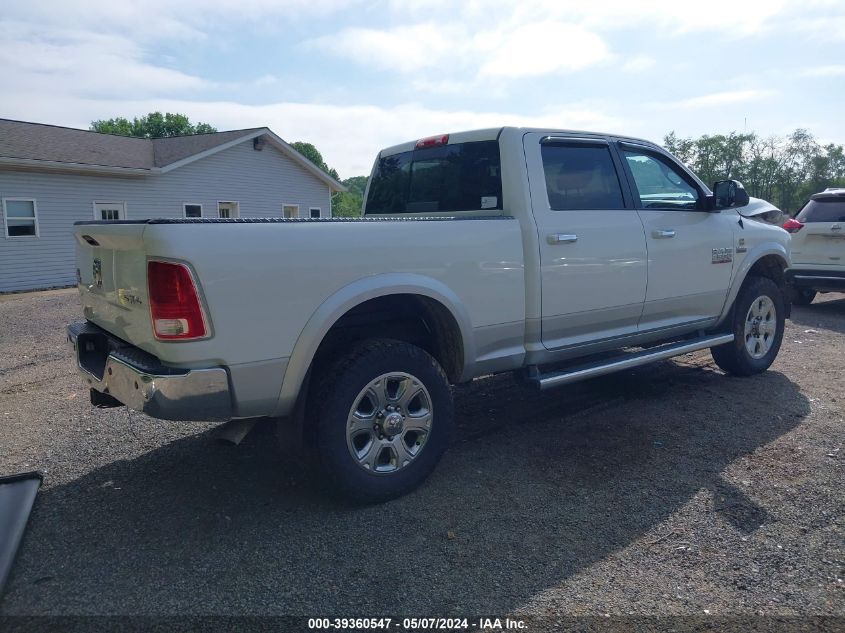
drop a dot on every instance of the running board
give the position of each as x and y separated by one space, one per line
627 361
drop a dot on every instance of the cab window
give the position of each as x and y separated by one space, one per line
580 176
658 184
446 178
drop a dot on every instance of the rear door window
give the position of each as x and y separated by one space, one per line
823 210
446 178
581 176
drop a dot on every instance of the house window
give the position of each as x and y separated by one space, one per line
193 210
228 210
290 210
315 212
109 210
20 217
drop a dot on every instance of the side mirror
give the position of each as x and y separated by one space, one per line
729 194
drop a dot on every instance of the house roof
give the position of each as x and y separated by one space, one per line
35 141
38 145
167 151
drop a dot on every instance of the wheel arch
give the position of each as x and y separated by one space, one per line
433 302
765 260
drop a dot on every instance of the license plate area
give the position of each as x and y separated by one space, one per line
93 350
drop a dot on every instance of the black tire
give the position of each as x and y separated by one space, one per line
335 391
802 297
734 357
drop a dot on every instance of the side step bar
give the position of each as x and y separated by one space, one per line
619 363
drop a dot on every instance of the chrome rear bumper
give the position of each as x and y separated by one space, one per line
138 380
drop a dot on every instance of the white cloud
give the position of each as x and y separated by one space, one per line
824 71
501 38
828 28
660 16
541 48
532 49
716 99
404 48
66 61
638 64
158 19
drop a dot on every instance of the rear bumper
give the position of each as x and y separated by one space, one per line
823 280
139 380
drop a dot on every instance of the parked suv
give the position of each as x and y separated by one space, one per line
818 246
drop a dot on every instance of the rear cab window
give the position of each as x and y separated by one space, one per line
458 177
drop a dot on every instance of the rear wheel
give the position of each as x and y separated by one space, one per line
757 325
383 416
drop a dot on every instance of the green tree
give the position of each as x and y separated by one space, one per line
349 204
313 154
345 204
783 170
152 125
356 184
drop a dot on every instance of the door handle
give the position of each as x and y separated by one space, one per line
561 238
663 234
836 227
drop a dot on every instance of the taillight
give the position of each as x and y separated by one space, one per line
432 141
174 302
792 225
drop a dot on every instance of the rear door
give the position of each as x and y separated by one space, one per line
821 241
690 250
592 247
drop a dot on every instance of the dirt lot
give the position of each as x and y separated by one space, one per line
673 489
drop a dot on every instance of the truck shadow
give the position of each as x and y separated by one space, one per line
534 489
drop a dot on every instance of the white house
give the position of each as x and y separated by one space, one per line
51 177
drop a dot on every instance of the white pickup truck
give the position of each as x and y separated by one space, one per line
554 254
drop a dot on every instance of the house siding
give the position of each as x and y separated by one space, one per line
261 182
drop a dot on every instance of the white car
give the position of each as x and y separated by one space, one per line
818 246
555 254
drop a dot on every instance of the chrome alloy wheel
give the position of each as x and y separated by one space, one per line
760 326
389 423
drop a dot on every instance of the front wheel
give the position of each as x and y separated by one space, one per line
757 325
383 416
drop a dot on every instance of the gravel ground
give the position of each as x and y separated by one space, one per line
670 490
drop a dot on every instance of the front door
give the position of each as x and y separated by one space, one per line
690 250
592 247
109 210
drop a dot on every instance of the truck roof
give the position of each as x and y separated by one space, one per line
493 133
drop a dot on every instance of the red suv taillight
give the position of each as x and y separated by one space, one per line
792 225
174 302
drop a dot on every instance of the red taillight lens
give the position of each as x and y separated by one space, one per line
174 302
792 225
432 141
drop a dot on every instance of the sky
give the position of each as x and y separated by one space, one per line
354 76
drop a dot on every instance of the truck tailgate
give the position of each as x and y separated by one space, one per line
112 273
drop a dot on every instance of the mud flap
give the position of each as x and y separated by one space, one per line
17 494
